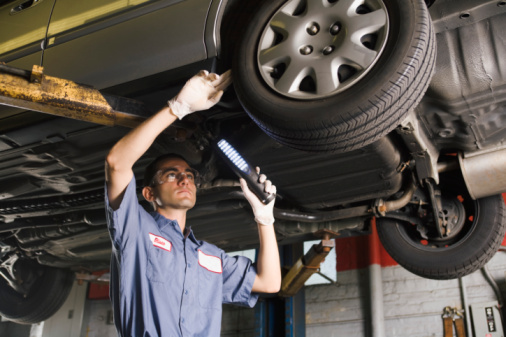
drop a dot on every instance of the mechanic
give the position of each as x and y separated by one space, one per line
165 282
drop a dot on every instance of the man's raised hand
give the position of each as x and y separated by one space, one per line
200 92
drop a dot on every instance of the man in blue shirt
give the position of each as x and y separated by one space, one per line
165 282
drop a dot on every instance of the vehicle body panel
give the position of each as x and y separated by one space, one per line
465 105
107 51
23 30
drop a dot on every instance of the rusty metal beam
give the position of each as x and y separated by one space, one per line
33 90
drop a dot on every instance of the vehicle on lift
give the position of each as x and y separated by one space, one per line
347 105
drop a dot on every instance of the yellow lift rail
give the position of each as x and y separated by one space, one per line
306 266
33 90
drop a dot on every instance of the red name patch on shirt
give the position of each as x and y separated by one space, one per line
210 262
160 242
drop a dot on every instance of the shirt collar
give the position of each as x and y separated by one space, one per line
192 237
164 222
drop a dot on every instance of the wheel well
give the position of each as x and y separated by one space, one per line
236 13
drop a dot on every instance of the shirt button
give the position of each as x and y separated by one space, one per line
189 265
182 320
186 292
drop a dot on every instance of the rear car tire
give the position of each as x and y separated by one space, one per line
46 296
468 250
333 77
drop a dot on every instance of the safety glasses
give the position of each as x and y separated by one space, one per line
171 174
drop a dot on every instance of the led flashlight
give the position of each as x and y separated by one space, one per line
244 170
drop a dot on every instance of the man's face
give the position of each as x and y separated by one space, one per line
173 186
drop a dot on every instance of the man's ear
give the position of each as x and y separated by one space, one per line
148 193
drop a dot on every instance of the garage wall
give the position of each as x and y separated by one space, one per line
412 305
97 320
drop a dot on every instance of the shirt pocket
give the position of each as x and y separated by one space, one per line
210 281
159 264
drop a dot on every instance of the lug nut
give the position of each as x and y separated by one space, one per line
335 28
313 29
306 50
327 50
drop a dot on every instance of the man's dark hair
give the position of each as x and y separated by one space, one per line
152 168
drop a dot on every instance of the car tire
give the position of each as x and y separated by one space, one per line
345 109
43 300
470 249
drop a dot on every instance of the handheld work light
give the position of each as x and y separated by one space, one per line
244 170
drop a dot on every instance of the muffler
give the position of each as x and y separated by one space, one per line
484 172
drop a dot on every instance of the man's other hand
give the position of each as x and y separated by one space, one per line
264 214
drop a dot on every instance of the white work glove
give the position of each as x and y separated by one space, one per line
200 92
264 214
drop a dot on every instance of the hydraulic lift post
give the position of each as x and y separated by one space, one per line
295 303
294 279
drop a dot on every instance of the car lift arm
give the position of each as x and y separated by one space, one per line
33 90
306 266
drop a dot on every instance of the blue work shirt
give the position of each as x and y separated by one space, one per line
166 284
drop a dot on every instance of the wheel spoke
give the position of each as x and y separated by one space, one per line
274 55
284 23
325 77
363 24
315 7
347 7
290 80
356 54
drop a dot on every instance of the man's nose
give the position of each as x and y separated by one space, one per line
183 179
